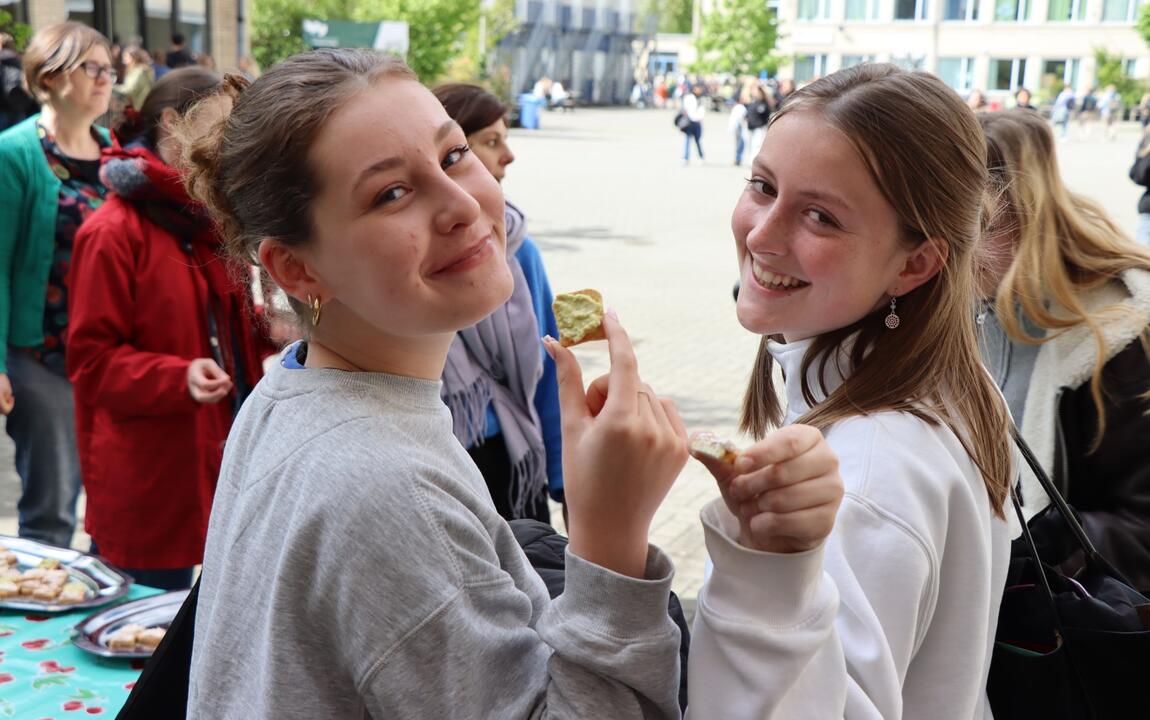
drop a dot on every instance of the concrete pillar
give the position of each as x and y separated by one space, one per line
43 13
225 42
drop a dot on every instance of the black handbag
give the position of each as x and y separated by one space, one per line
1067 646
162 689
682 121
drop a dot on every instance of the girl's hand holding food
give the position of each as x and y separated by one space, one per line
785 489
623 447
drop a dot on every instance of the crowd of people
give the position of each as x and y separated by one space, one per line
915 267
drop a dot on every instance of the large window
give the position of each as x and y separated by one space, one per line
957 72
1057 72
960 10
809 67
194 24
909 62
852 60
158 24
1012 10
1007 74
1067 10
911 9
814 9
83 11
862 10
1123 11
125 25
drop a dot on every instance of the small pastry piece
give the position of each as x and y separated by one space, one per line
34 574
579 316
46 592
8 589
27 588
11 574
7 557
710 446
49 564
56 578
151 637
73 592
124 638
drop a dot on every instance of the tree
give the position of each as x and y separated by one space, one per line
738 37
19 31
675 16
1143 23
437 27
1109 71
498 21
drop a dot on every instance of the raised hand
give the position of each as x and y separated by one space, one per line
623 447
785 490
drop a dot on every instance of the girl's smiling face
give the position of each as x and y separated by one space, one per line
819 246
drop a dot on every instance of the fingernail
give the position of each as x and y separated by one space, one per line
612 313
743 464
549 346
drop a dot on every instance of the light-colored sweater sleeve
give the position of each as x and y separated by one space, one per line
828 633
604 649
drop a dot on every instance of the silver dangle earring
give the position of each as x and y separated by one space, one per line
892 320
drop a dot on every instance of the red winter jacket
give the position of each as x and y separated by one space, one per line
138 302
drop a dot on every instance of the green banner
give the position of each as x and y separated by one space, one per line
386 36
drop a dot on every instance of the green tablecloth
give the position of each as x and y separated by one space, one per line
44 676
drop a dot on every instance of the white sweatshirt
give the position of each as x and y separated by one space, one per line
893 617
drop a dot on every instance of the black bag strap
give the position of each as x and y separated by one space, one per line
1056 498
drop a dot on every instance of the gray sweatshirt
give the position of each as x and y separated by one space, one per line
356 568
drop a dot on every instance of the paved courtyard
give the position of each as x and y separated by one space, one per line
612 207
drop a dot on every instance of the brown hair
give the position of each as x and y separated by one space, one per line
925 152
253 170
58 49
470 105
138 54
179 90
1066 244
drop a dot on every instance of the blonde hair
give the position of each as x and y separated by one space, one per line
925 152
1065 244
58 49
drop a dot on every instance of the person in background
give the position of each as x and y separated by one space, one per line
1022 100
163 345
737 126
159 64
1065 329
1088 112
976 100
1140 174
49 184
15 102
206 61
178 55
694 108
860 546
498 381
559 96
345 503
759 109
1062 111
1110 110
139 76
249 67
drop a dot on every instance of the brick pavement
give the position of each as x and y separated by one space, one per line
612 207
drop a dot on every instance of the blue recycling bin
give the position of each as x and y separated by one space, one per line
529 107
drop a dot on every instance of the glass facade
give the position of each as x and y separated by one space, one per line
1012 10
1007 74
964 10
862 10
1067 10
958 73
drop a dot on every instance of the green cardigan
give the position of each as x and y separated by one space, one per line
29 201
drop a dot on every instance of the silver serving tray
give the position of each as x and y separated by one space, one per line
105 583
91 634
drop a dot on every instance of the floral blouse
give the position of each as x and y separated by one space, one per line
81 192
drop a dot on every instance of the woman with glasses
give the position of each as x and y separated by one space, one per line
49 183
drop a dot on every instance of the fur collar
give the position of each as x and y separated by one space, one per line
1068 362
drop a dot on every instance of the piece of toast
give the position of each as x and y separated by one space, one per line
579 316
710 446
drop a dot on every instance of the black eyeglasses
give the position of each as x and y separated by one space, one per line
94 70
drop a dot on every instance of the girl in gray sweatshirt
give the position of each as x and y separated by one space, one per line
355 564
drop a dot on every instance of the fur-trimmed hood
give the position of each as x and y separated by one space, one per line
1067 362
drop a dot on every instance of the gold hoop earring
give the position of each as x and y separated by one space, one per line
316 309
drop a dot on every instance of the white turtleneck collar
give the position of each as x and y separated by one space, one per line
790 356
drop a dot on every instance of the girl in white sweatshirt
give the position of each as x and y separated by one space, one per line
873 591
